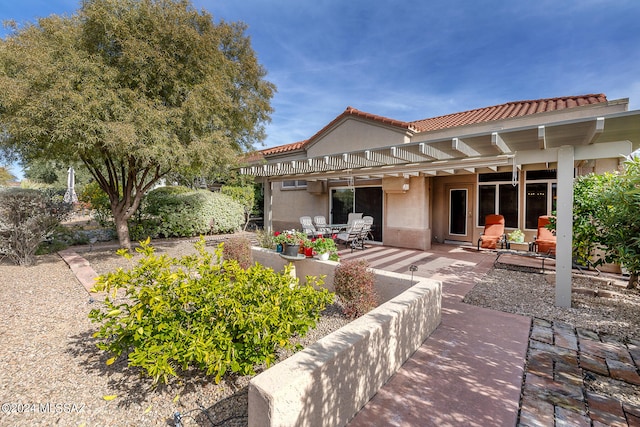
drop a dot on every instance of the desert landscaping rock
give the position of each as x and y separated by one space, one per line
51 372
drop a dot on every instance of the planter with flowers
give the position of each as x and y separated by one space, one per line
325 248
291 241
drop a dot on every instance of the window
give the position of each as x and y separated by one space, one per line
497 194
541 195
294 184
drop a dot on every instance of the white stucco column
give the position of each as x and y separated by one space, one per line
564 226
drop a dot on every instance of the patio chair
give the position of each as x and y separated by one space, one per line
544 241
352 217
366 230
321 225
353 236
493 232
307 226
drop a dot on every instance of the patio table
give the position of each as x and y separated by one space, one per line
336 228
523 253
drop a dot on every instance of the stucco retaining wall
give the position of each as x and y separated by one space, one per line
388 284
330 381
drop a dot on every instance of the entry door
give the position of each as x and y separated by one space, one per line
459 213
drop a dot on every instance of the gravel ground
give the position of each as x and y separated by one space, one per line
613 312
51 373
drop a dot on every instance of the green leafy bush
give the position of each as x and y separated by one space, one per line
98 201
28 218
182 212
238 249
244 195
202 312
354 285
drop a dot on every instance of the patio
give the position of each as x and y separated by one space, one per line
465 373
486 367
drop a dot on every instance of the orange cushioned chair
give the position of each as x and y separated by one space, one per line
545 240
493 232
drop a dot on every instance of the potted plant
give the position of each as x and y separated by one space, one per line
277 240
325 248
291 240
516 236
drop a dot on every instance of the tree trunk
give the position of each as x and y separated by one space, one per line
633 281
122 229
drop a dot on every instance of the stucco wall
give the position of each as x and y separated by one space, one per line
354 134
406 216
289 205
388 284
330 381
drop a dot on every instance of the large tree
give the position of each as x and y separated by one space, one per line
134 89
6 176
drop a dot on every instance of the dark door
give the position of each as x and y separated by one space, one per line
365 200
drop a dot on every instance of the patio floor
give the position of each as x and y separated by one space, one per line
469 371
484 367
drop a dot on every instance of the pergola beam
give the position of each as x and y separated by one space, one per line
463 148
596 130
432 152
542 138
498 142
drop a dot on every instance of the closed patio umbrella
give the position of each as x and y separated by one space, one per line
70 195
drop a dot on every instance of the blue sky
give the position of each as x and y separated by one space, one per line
414 59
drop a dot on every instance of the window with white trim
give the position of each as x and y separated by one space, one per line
498 195
540 196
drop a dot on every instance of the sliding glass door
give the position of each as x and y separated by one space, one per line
365 200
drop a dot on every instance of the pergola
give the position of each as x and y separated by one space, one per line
477 149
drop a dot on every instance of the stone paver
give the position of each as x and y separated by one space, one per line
554 391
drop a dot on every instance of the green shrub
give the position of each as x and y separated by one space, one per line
204 313
354 285
27 219
98 201
238 249
182 212
245 195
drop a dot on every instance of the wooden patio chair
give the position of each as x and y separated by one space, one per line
493 233
545 240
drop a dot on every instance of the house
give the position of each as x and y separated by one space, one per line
436 179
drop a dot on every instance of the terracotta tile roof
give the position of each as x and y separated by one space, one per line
479 115
283 148
506 111
349 111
